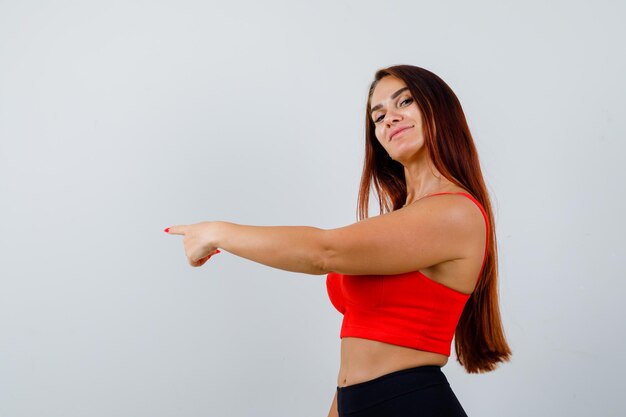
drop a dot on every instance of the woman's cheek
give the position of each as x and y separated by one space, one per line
379 134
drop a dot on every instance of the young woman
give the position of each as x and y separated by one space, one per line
410 279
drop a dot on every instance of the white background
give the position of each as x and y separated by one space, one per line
120 118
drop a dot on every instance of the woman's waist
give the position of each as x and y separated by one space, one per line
363 359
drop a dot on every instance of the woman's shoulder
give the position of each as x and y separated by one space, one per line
459 203
453 191
447 196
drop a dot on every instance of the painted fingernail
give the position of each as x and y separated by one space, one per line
167 230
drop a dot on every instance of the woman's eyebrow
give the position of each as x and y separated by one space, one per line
394 95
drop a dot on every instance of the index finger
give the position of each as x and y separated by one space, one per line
175 230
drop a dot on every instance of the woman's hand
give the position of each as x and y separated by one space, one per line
200 240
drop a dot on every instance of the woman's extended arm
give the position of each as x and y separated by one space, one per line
292 248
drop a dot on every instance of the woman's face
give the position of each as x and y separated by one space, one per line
394 110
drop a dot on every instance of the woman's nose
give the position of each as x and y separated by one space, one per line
391 117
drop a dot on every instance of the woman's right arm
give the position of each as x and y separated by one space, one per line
333 408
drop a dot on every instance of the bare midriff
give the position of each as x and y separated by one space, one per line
363 359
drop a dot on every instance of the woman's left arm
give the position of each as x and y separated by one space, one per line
291 248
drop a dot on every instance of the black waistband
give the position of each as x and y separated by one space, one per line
368 393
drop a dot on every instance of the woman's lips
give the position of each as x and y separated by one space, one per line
399 133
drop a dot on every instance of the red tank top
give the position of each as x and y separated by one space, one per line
407 309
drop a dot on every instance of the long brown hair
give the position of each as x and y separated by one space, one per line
480 343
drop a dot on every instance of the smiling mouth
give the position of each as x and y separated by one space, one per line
400 132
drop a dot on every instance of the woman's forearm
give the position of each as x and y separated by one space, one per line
291 248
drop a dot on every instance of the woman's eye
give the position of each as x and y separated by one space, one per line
409 100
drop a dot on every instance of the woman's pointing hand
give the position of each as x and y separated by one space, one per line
200 241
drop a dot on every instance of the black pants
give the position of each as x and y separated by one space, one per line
415 392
